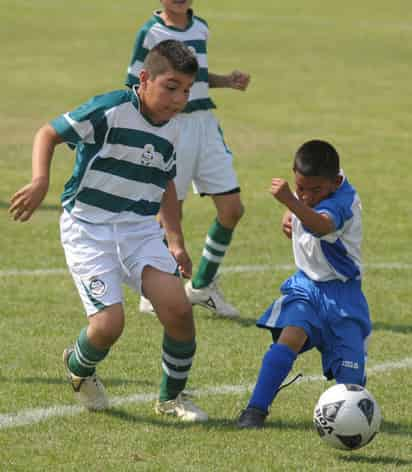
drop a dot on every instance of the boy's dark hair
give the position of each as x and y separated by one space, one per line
170 54
317 158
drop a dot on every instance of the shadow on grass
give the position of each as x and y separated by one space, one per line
221 424
357 459
382 326
203 312
60 381
170 422
229 424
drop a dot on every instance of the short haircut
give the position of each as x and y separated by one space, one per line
317 158
170 54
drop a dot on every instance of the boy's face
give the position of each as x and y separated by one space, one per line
313 189
164 96
176 6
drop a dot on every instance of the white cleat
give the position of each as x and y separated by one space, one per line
145 306
211 298
182 408
89 391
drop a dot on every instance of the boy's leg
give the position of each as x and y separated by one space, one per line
145 305
276 365
203 290
348 360
90 348
178 348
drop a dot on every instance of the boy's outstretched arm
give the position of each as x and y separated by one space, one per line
170 218
317 223
26 200
236 79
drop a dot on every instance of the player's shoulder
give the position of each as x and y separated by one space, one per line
200 21
110 99
346 193
99 104
148 26
152 21
343 204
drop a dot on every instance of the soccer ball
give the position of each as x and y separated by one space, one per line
347 416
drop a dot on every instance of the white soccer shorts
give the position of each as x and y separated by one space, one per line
103 257
203 158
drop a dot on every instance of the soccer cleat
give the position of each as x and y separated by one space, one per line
145 306
211 298
181 407
89 391
251 418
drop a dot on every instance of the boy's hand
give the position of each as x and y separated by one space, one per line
239 80
281 191
26 200
183 260
287 224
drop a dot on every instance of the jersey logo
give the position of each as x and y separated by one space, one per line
148 154
97 287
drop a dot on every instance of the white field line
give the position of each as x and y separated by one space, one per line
223 270
33 416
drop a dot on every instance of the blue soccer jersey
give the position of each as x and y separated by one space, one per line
335 255
123 161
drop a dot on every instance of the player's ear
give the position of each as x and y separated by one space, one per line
143 77
338 181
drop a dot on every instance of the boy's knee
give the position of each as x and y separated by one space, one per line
182 312
178 320
105 329
230 215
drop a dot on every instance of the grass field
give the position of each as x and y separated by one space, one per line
319 69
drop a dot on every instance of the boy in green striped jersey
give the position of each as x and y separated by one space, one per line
123 177
202 155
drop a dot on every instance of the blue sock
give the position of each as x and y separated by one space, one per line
276 365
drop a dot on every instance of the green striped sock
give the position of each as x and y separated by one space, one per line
85 357
216 244
177 358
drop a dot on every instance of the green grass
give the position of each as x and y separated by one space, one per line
318 70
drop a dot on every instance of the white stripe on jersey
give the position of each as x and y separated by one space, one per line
83 128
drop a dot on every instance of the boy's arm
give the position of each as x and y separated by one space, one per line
236 80
170 218
26 200
318 223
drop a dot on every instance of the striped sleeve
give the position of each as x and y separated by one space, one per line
87 123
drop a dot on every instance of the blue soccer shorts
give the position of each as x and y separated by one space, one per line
335 317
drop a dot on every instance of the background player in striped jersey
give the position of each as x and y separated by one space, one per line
202 155
322 304
125 165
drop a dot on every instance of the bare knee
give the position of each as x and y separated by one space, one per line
106 327
230 215
177 319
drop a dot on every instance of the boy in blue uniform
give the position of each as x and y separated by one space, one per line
123 177
202 155
322 304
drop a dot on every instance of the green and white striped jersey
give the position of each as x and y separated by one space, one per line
194 36
123 161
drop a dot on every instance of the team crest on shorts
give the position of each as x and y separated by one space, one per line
97 287
148 154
